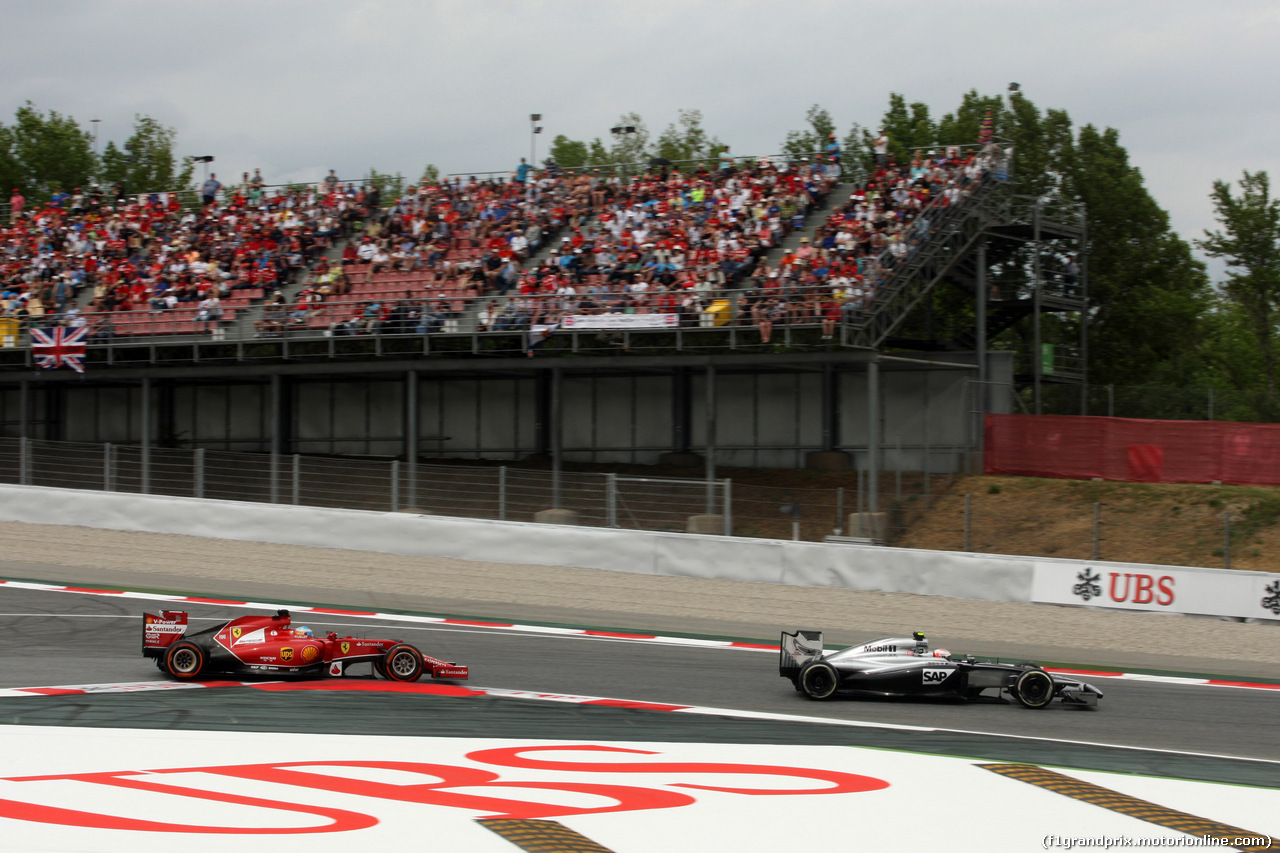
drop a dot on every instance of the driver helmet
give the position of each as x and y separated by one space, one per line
303 631
941 653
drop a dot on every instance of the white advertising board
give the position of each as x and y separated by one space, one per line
619 321
1207 592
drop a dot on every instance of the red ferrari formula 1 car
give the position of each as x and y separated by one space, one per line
270 644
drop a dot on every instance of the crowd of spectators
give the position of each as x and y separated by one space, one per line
153 253
695 243
697 246
659 241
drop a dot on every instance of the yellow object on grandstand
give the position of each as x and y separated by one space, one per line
9 327
717 313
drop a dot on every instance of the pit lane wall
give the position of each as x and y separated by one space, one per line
991 577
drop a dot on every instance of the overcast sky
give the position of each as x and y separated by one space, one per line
297 88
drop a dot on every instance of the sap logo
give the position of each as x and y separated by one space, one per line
1139 588
936 676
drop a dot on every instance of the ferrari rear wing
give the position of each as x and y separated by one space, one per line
795 650
160 632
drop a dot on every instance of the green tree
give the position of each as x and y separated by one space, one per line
597 154
963 126
430 175
10 168
686 139
569 153
147 163
630 147
908 126
1150 303
49 152
801 143
390 187
1249 241
859 149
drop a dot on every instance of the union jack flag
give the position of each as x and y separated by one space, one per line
59 347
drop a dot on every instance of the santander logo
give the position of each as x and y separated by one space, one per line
1140 588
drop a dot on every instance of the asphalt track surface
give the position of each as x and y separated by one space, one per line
61 638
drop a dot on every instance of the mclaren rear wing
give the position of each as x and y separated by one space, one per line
795 650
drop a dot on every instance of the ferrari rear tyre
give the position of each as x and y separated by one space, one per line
184 661
819 681
1034 688
403 662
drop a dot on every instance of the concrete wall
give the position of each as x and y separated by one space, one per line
950 574
764 419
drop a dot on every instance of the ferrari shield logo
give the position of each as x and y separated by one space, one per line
346 647
236 632
286 654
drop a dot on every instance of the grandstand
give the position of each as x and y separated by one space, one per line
595 314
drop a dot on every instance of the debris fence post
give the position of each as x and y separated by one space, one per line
728 507
968 521
1226 540
611 500
107 484
1097 531
297 479
395 485
840 511
197 486
502 493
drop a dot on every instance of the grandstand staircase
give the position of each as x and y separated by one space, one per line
954 233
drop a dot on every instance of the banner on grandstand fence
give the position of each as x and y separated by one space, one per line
621 321
539 332
59 347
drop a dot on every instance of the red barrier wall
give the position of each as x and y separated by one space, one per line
1132 450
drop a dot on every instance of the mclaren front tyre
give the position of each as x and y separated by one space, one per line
818 680
1033 688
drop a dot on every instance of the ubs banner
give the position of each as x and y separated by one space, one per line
1209 592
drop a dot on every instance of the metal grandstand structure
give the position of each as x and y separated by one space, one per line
999 251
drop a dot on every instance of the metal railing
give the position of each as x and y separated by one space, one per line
639 167
439 320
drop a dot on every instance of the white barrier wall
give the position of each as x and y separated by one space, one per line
989 577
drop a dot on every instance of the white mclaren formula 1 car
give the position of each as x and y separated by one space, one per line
896 666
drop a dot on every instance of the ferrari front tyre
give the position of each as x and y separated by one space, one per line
403 662
184 661
819 681
380 668
1034 688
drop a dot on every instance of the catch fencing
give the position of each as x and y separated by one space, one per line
915 510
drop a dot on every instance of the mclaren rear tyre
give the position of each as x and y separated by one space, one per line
402 662
1034 689
819 681
184 661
